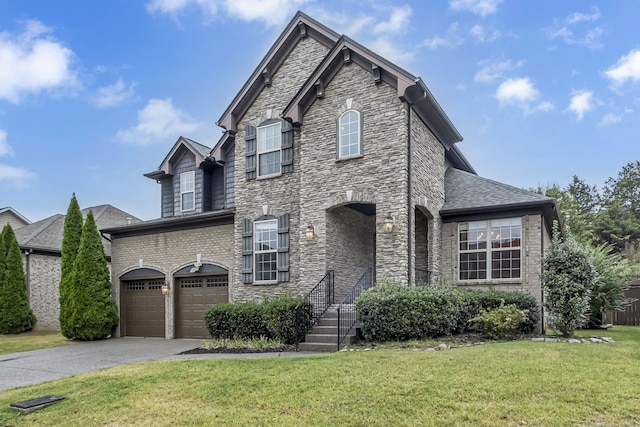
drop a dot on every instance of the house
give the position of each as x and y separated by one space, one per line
332 158
9 215
41 245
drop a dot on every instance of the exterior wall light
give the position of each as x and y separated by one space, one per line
310 232
388 224
165 289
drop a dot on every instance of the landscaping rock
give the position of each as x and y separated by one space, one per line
442 347
551 339
607 339
595 340
574 341
537 339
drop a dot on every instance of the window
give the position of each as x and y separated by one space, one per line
269 144
187 191
495 244
349 134
266 250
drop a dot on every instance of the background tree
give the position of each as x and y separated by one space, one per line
93 311
568 275
70 245
15 314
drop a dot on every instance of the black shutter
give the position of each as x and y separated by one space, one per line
250 152
283 248
287 147
247 251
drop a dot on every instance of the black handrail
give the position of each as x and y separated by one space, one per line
313 305
347 309
423 277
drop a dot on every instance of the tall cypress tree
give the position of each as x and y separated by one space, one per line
70 245
15 314
8 236
3 256
94 313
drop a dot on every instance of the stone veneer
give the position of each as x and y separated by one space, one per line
532 253
168 252
44 294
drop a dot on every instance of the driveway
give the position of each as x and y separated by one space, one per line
38 366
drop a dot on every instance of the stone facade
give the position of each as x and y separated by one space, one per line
168 252
535 238
44 296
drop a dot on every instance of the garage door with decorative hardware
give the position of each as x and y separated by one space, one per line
143 308
194 296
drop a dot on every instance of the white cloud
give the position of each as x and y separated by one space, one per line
478 32
627 68
158 122
582 101
397 23
391 51
5 148
20 177
577 17
33 62
521 93
115 94
492 71
271 12
479 7
610 119
449 40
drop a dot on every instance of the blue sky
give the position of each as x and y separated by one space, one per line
94 94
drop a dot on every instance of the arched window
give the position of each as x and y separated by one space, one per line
350 134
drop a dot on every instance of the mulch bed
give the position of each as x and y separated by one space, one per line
239 350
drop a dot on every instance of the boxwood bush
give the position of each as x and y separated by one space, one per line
394 312
275 319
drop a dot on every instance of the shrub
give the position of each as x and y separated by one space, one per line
395 312
273 319
501 321
568 274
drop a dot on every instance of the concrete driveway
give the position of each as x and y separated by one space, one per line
38 366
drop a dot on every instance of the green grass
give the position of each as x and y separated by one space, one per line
31 341
501 384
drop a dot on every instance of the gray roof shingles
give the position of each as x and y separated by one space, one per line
466 192
47 233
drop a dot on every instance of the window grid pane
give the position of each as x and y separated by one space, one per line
269 144
187 191
350 134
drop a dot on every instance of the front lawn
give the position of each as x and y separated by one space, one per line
502 384
33 340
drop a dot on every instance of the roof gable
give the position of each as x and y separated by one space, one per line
16 214
201 152
301 26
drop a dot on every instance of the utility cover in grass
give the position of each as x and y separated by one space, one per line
27 406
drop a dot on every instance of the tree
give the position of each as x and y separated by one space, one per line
573 205
607 291
568 275
15 314
70 245
93 313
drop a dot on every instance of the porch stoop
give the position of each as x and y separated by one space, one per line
324 334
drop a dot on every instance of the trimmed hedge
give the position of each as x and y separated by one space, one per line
275 319
394 312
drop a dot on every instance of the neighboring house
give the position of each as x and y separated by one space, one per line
9 215
41 244
333 158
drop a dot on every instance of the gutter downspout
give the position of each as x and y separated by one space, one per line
542 228
409 194
28 252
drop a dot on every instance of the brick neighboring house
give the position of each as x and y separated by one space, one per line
328 139
41 245
9 215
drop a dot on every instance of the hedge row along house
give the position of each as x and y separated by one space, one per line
332 158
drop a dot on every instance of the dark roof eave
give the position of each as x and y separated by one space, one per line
495 208
156 175
185 222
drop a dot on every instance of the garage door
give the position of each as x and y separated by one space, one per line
143 308
195 295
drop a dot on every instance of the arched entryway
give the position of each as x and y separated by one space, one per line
197 289
351 243
142 303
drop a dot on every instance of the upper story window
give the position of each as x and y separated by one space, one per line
269 144
187 191
350 134
490 245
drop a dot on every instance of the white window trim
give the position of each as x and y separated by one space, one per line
258 152
489 250
182 192
359 121
256 252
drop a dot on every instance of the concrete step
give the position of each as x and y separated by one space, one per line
317 346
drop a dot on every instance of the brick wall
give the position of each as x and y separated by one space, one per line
170 251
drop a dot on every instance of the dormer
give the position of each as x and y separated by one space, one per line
192 180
